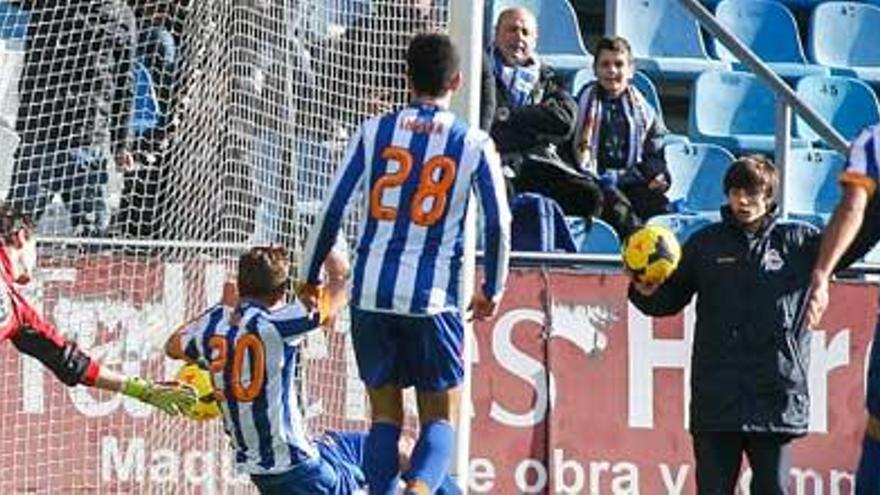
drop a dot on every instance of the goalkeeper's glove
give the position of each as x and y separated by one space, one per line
172 398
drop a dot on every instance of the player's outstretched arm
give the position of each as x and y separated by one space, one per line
74 367
842 229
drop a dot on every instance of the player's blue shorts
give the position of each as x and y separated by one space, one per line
421 351
336 471
872 394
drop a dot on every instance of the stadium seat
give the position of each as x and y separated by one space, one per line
146 113
734 110
580 79
812 190
13 21
684 224
599 238
697 171
560 44
666 40
846 37
848 104
770 30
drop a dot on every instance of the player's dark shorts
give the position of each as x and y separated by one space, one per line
872 394
336 471
421 351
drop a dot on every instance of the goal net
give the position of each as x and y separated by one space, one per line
234 114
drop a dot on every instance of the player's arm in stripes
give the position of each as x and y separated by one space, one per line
348 179
492 196
859 182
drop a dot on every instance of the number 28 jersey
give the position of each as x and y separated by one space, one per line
252 358
415 169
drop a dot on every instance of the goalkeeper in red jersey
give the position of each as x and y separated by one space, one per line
34 336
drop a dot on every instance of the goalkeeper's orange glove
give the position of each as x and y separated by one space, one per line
173 398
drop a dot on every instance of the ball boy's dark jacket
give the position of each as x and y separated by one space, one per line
750 351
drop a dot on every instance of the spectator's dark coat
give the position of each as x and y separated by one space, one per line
530 128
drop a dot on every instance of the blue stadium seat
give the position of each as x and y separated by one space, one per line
146 114
684 224
770 30
734 110
560 44
848 104
697 171
666 40
13 21
846 37
812 190
580 79
599 238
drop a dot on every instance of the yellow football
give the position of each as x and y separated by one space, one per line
206 406
651 253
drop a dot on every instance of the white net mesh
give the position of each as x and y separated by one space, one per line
235 113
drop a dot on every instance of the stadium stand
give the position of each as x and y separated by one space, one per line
845 37
666 41
734 110
770 30
812 190
697 170
559 42
539 225
598 238
146 113
848 104
684 224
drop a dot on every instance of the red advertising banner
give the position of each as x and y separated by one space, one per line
576 391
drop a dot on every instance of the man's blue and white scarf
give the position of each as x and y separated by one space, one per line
519 80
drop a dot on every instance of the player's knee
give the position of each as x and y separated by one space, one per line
439 406
386 404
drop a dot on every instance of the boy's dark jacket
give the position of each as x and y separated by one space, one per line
750 351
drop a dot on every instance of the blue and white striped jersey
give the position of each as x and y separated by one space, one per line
864 154
415 169
253 359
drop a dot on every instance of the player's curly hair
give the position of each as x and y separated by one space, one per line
264 272
12 221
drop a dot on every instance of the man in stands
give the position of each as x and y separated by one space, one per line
534 115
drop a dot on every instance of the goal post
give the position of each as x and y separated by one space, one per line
466 29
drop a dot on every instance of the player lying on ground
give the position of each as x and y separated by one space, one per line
32 335
251 347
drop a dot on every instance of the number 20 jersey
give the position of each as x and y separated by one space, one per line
415 169
252 358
